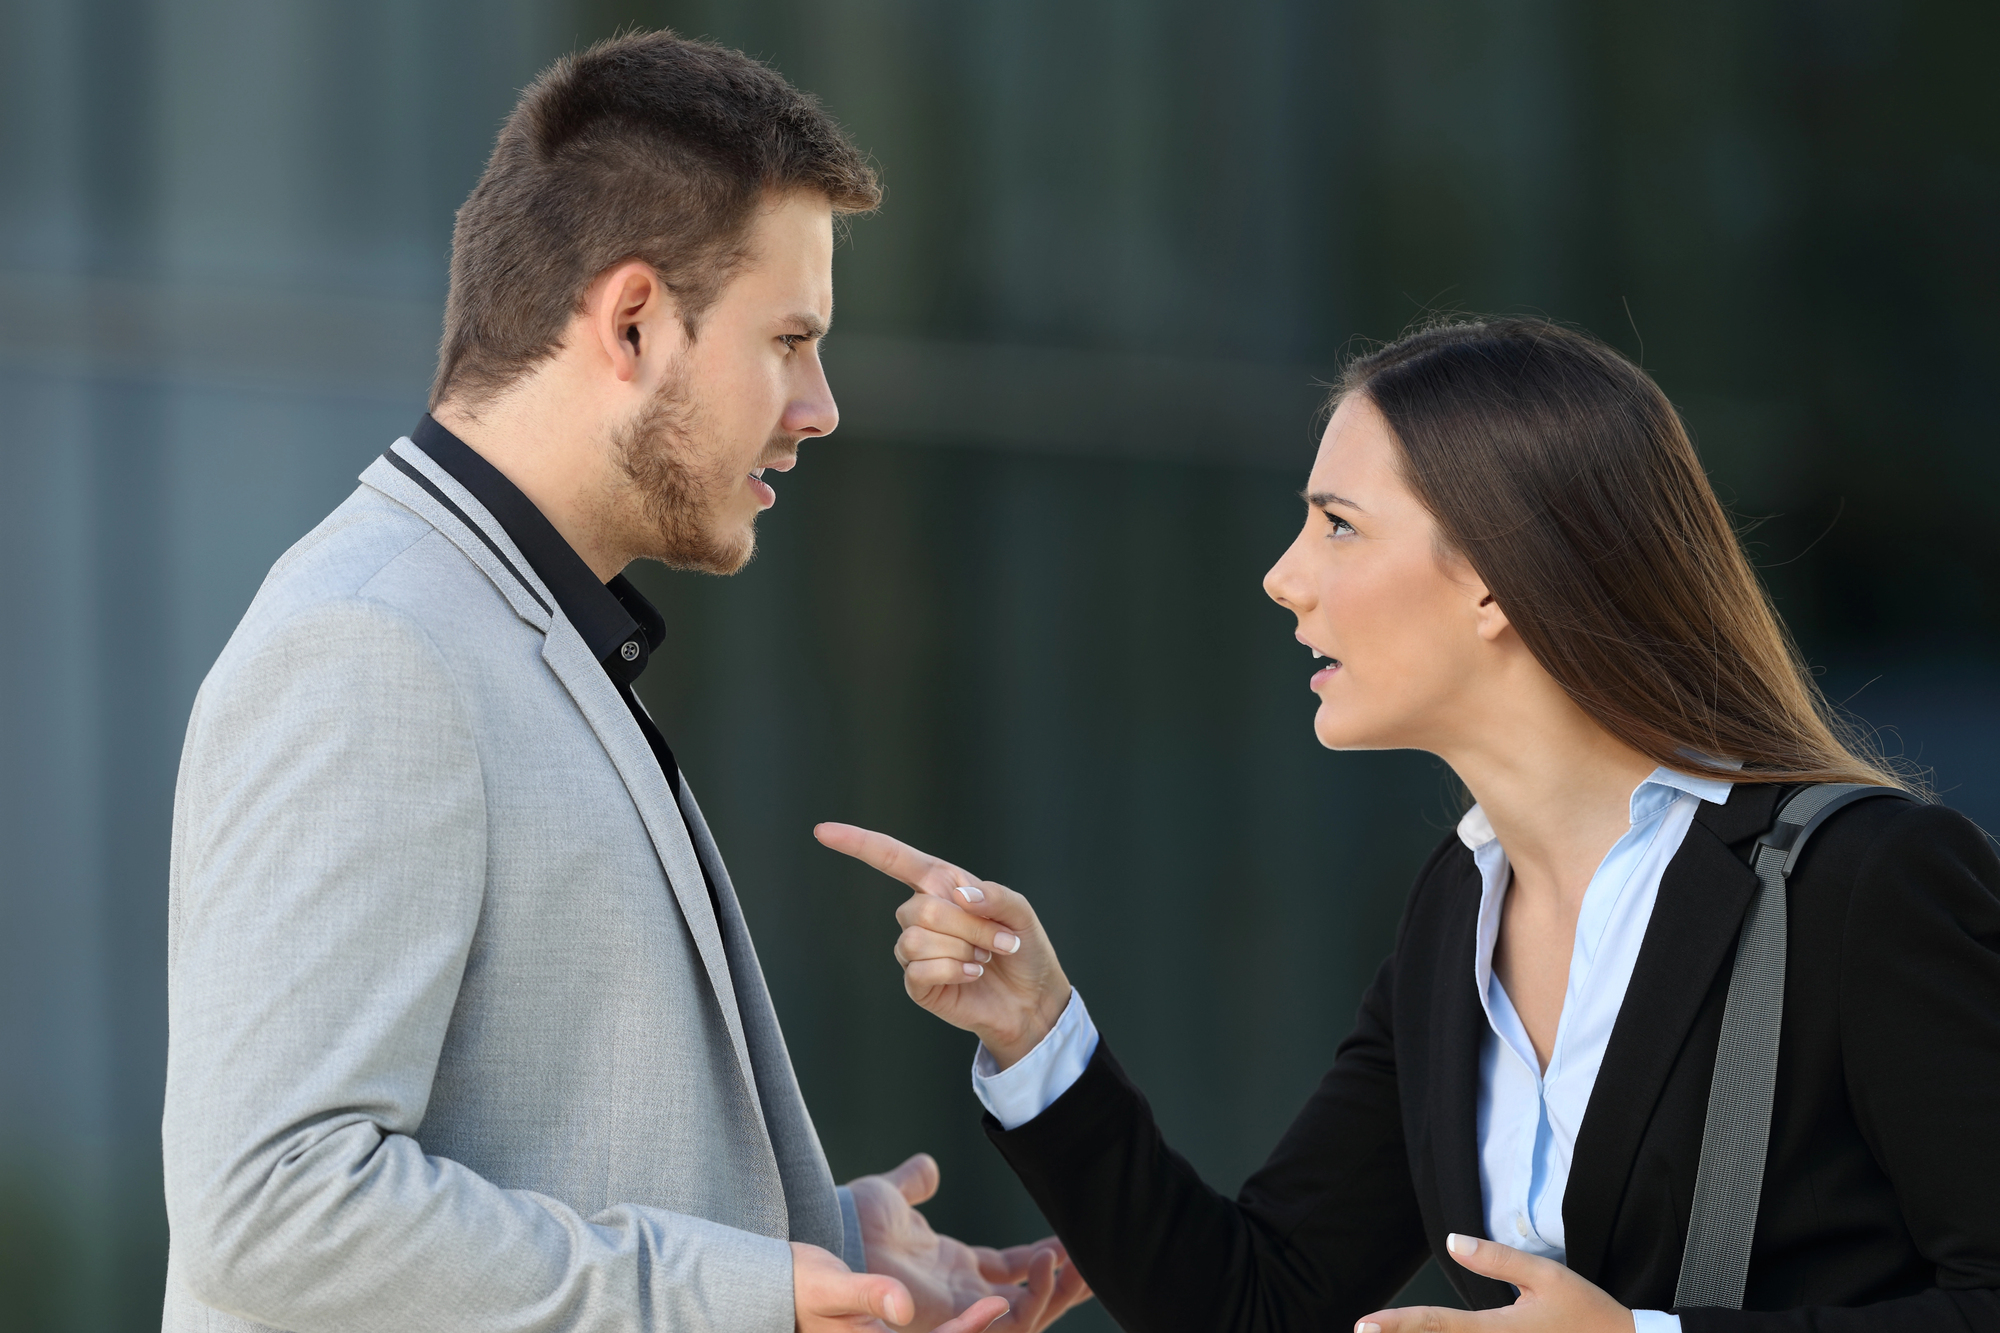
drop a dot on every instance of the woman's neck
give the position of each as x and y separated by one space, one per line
1555 786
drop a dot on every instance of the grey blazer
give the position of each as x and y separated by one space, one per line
456 1040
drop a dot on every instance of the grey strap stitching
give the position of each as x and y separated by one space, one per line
1730 1179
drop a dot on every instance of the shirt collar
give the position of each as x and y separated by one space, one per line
614 620
1650 802
1661 788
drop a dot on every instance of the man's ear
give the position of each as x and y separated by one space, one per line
632 320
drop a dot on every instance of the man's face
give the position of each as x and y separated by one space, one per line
738 401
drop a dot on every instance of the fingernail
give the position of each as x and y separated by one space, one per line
1365 1327
972 893
1458 1244
981 956
1006 943
974 970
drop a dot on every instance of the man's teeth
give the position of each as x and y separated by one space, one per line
757 472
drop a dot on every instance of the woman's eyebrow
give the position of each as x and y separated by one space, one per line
1321 499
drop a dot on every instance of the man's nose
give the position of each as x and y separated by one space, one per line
812 410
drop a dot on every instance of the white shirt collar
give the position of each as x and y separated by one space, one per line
1660 789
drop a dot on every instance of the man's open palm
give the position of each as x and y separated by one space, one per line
944 1276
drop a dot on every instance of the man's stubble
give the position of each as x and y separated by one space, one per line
660 451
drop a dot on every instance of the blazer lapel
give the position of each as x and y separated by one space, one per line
802 1168
464 522
1458 1027
1703 895
608 716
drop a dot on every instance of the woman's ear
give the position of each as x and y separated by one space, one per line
1490 619
1487 617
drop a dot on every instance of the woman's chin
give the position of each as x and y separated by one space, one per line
1338 728
1333 730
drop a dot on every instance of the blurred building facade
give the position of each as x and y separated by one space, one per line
1011 611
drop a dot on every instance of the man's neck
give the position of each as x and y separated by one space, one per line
548 448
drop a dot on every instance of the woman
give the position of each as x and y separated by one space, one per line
1513 560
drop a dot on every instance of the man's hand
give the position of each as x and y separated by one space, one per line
942 1275
1552 1299
828 1297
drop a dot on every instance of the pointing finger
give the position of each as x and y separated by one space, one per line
898 860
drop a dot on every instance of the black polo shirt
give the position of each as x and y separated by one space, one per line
618 625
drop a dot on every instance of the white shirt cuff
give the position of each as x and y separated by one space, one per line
1655 1321
1017 1094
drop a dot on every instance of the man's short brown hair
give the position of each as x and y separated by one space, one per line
647 146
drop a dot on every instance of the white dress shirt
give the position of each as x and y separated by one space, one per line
1528 1117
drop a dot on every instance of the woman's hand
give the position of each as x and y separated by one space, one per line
972 951
1552 1298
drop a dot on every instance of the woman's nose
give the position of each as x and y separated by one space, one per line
1284 585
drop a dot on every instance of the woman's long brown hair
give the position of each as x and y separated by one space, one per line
1562 473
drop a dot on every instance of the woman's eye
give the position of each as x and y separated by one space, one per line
1340 525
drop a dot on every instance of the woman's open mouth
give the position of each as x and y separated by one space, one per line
1325 673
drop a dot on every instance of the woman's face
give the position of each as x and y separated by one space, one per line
1407 632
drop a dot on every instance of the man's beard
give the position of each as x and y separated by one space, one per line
659 450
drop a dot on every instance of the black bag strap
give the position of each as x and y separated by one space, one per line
1730 1178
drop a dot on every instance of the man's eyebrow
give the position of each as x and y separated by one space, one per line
814 326
1321 499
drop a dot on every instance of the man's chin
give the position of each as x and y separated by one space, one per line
711 553
733 561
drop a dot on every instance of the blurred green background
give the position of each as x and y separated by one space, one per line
1011 612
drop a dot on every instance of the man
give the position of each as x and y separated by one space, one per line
467 1032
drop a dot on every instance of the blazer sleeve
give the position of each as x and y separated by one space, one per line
1326 1231
1920 1037
328 873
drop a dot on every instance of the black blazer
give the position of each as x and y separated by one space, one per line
1882 1185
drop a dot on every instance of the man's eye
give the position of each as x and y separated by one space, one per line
791 340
